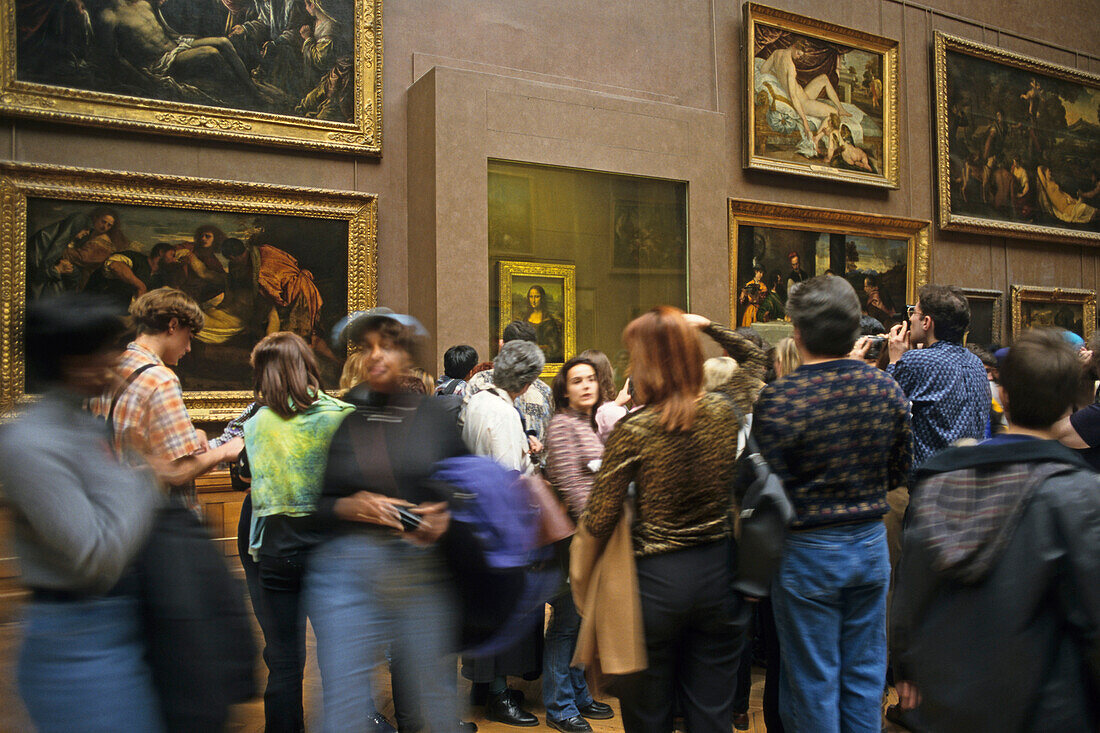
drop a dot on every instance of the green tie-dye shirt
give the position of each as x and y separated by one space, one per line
287 457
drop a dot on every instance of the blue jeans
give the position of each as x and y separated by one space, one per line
829 599
82 668
369 590
563 687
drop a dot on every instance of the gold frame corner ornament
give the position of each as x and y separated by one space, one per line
1039 294
361 136
787 216
887 48
18 182
946 219
568 275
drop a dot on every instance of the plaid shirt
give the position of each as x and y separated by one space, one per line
150 418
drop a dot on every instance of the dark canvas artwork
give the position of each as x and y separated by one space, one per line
285 57
251 274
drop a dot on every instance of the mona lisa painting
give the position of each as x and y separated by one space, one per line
544 296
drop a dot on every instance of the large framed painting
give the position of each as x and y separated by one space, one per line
546 296
775 246
1069 308
303 73
986 317
1018 144
822 100
648 237
257 258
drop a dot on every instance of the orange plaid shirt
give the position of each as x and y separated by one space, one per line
150 418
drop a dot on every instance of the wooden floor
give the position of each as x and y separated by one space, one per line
249 717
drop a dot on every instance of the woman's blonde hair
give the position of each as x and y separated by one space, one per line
787 358
717 371
285 375
352 372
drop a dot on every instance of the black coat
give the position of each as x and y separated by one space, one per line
1016 646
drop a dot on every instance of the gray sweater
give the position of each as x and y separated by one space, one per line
80 516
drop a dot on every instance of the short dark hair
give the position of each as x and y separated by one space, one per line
520 331
560 384
232 247
984 354
160 248
1040 376
459 360
949 310
69 324
825 310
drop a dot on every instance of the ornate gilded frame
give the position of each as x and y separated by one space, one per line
784 216
945 43
83 107
1033 294
996 297
18 182
857 40
510 269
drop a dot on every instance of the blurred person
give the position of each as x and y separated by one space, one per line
535 405
717 371
286 444
787 358
996 617
836 431
372 583
573 450
80 519
679 452
457 363
946 385
491 427
612 405
997 421
147 412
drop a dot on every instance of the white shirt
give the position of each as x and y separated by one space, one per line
491 427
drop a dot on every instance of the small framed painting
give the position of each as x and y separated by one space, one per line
1068 308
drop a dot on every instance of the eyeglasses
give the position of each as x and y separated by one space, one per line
910 310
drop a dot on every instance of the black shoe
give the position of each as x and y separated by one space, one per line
467 726
479 694
597 710
741 721
576 724
378 724
504 709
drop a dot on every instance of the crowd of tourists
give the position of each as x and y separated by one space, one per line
944 533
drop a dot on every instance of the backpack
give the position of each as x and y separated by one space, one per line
503 578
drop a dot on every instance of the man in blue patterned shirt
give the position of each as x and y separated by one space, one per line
946 384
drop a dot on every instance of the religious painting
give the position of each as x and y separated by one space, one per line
1067 308
545 296
648 237
822 100
511 219
986 317
773 247
304 73
1018 144
257 259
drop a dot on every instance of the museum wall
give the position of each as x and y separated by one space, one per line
673 59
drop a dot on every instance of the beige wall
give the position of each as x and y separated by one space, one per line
672 60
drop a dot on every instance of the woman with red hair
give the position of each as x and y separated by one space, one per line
679 452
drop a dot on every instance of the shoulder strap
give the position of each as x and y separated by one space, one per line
118 395
451 387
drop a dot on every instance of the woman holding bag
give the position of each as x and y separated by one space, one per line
679 451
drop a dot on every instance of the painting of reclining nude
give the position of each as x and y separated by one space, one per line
822 99
205 61
252 272
1019 144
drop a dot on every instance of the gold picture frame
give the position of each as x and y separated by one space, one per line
298 230
992 101
995 300
215 95
1064 303
557 327
862 144
762 236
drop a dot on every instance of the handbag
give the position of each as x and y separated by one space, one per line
766 515
555 524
